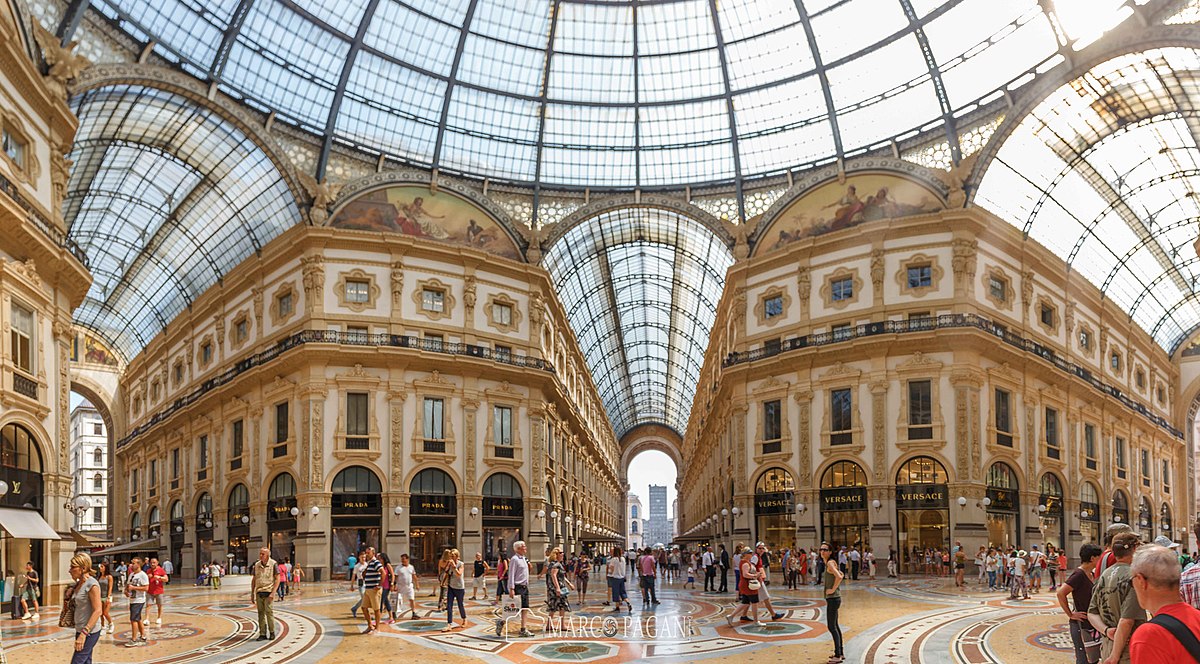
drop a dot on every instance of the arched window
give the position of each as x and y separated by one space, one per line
501 485
356 479
19 449
1145 516
843 474
1164 519
283 486
97 482
633 527
154 514
1089 502
1001 476
921 470
1120 506
239 498
204 505
1050 486
432 481
177 511
98 457
633 511
135 526
775 480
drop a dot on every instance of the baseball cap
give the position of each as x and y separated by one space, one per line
1163 540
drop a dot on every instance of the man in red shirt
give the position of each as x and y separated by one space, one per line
158 579
1156 582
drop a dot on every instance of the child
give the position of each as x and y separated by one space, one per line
691 579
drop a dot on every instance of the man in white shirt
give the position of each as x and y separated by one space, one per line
135 589
630 559
706 561
1035 568
518 583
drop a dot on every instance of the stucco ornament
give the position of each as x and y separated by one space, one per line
323 194
63 63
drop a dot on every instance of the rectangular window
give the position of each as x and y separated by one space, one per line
357 426
920 276
772 426
841 289
98 514
153 475
241 330
14 147
22 338
175 463
1140 379
773 306
998 288
1089 446
202 448
433 300
1120 456
282 425
1085 340
1003 418
502 314
97 429
503 353
357 291
1145 458
178 373
237 444
133 482
1166 475
841 419
434 342
773 346
154 390
433 418
1052 449
502 425
357 333
920 410
1047 316
1114 361
284 304
206 353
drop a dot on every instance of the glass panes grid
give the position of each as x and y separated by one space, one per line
1102 173
406 96
640 286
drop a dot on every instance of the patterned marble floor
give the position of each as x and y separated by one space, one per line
885 622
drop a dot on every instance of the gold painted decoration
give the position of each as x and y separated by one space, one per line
89 349
416 211
836 205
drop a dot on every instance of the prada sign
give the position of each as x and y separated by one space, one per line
922 496
434 505
844 499
356 503
773 503
513 508
1003 500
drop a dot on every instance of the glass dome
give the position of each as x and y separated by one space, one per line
617 93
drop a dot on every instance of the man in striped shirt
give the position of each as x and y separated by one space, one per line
371 577
1189 586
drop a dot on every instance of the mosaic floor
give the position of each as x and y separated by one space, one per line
885 622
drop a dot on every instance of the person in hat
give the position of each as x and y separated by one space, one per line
1107 558
1020 568
1114 610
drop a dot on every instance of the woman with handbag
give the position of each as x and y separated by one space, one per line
749 582
82 609
832 577
1079 587
556 594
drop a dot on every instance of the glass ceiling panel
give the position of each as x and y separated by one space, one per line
166 197
620 56
1103 173
640 286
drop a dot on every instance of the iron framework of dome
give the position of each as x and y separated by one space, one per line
617 93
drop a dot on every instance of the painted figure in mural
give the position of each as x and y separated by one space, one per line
474 233
416 220
848 207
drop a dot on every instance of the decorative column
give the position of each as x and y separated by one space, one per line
469 525
395 536
536 534
312 533
963 264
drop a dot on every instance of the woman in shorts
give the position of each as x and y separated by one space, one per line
747 596
105 578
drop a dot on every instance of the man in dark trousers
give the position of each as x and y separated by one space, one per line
724 563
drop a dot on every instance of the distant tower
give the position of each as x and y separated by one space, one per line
89 468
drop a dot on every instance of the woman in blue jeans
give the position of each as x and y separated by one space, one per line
832 578
456 591
1079 586
86 596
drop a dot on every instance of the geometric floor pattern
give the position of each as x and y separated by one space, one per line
884 622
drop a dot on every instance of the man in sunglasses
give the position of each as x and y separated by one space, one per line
1115 611
1172 635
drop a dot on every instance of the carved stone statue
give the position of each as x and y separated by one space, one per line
323 194
64 64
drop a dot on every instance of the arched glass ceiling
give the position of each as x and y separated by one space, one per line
1106 174
616 93
640 286
165 198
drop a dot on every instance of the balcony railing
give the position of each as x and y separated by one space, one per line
41 223
438 446
952 321
333 337
24 385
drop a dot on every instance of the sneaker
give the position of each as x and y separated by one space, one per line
158 621
270 637
747 619
729 619
777 616
524 633
759 623
36 617
261 637
145 621
27 616
132 644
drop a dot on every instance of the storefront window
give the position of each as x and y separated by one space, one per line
774 496
1003 506
1053 525
503 516
281 525
844 517
1089 513
1120 507
922 511
434 518
239 530
357 514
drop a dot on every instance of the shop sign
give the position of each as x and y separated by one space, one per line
844 499
435 505
513 508
356 503
773 503
280 509
1054 504
922 496
1003 500
24 489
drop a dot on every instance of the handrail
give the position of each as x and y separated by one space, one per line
43 224
332 337
951 321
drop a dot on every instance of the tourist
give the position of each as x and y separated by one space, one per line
215 574
372 575
135 589
991 563
723 563
892 568
1079 586
556 593
297 576
832 579
356 581
761 559
502 578
1189 585
673 566
737 565
88 608
443 579
479 576
981 564
855 559
616 575
1037 562
1114 610
646 570
843 560
406 585
691 576
386 581
1170 636
960 567
1019 585
456 591
264 582
1110 533
710 571
30 593
801 569
281 587
582 571
791 563
518 583
352 561
869 561
748 587
631 562
105 579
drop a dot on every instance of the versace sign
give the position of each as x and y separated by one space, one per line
843 499
922 496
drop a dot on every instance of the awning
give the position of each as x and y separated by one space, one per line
26 524
152 546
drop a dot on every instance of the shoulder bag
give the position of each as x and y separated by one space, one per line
1181 633
67 617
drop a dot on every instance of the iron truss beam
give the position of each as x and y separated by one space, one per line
935 74
217 69
823 77
452 81
71 19
543 98
733 131
339 93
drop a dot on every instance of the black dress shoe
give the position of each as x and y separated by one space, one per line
261 637
270 637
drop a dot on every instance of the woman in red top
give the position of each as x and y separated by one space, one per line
803 566
747 597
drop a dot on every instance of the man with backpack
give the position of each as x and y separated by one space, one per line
1171 637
